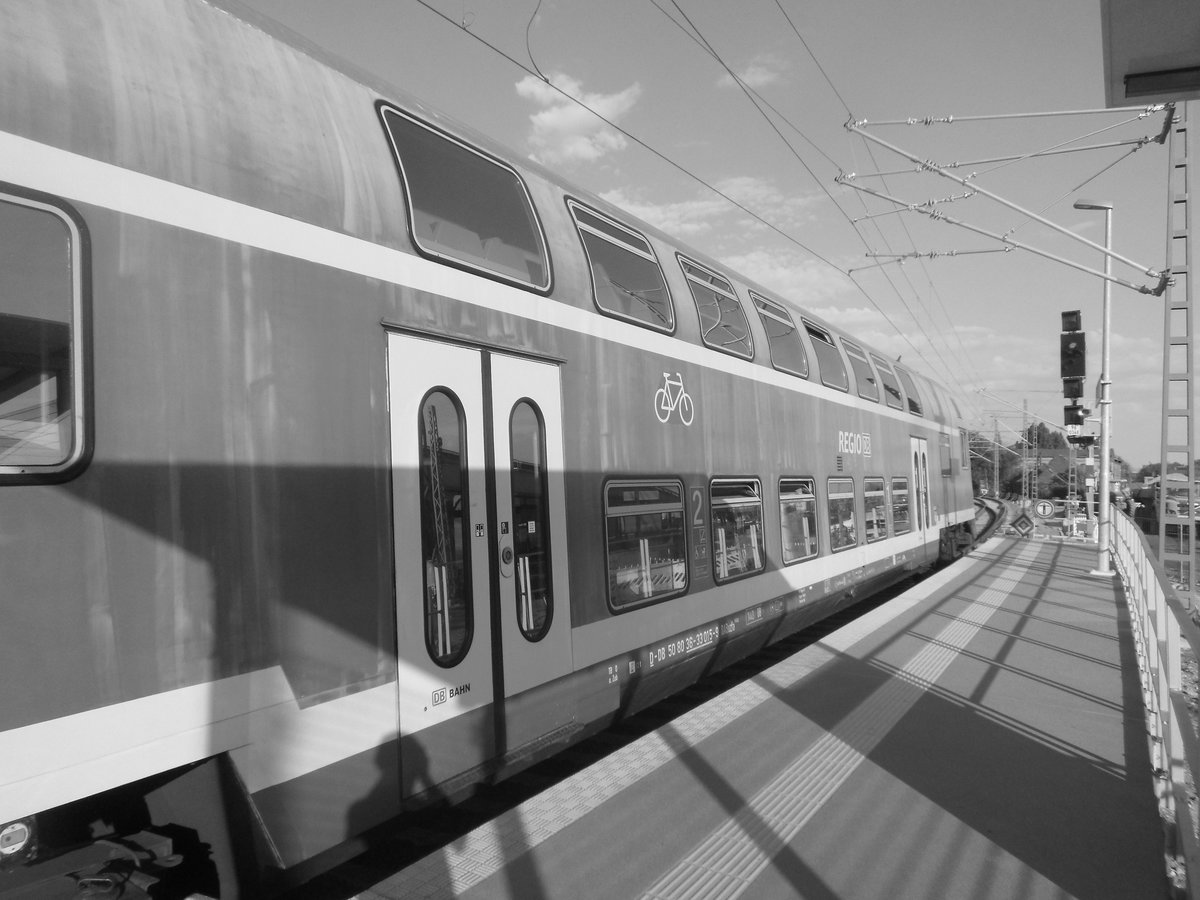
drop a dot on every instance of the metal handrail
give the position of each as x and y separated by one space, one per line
1161 621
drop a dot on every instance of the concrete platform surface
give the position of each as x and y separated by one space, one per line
980 736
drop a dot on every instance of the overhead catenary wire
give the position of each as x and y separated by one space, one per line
658 154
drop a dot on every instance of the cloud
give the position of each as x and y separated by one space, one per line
564 131
683 218
765 69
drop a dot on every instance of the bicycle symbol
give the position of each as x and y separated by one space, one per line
670 397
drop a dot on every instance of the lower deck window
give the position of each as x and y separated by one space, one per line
737 527
875 509
843 529
41 433
646 549
900 514
798 518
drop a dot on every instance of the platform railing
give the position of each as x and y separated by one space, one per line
1161 621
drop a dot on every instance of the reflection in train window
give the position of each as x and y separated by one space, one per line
445 547
737 517
864 376
910 388
783 339
625 275
465 206
829 360
891 387
531 521
900 514
843 530
875 511
798 518
646 550
40 390
723 324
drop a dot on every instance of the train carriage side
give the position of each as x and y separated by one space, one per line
353 507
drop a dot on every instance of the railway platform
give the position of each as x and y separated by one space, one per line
980 736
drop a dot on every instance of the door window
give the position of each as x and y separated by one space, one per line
531 520
445 548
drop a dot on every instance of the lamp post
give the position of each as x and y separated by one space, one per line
1103 512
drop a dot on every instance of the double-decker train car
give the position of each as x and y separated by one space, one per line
349 461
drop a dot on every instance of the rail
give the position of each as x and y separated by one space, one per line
1161 623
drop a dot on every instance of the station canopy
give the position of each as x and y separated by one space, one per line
1151 51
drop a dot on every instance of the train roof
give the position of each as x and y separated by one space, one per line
331 143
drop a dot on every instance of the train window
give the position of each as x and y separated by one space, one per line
843 529
875 511
891 387
798 518
783 340
900 515
966 448
466 207
647 553
41 350
864 375
737 516
947 461
910 388
626 277
723 324
445 547
531 520
829 360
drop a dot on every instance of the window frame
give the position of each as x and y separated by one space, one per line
760 546
867 494
910 390
816 518
451 659
475 266
722 286
779 313
79 454
857 355
830 496
821 336
574 207
885 372
547 535
662 507
893 492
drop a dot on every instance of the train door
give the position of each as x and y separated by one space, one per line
477 500
920 481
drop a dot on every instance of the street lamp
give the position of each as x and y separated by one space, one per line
1103 512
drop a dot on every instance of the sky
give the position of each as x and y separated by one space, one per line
691 141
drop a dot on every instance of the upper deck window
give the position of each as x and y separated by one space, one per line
41 349
910 388
723 324
783 339
864 375
466 207
891 387
626 277
829 360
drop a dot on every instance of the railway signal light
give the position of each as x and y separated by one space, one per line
1072 357
1073 354
1074 414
